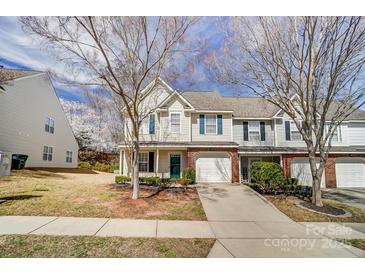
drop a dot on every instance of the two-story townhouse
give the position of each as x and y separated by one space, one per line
32 121
220 137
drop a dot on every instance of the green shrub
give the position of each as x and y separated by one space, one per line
113 167
189 174
122 179
267 174
84 165
101 167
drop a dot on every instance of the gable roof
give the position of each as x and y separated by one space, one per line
12 74
206 100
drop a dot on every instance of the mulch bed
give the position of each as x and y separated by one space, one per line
326 209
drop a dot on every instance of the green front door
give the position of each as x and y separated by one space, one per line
175 160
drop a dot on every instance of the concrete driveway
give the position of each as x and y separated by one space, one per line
351 196
246 225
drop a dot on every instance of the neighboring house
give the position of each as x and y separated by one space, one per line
32 122
220 137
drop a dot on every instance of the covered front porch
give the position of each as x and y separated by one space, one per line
246 161
164 162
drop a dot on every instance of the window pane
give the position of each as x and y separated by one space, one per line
45 149
143 157
296 136
211 119
47 128
142 167
254 136
44 156
211 129
51 130
50 150
49 157
175 118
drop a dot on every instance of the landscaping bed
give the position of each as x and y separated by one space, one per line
359 243
35 246
288 205
84 193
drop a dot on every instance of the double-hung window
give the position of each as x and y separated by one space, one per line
254 130
47 153
143 161
49 126
336 137
175 122
68 156
294 132
211 124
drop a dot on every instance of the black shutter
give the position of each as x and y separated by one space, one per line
287 130
245 131
151 161
262 131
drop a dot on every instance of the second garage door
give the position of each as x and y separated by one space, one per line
213 168
350 172
300 169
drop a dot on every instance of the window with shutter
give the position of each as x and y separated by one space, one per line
152 123
262 131
245 131
220 124
201 124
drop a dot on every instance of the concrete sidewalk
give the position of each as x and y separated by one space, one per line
73 226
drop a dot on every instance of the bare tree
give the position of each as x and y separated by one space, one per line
6 76
310 67
121 54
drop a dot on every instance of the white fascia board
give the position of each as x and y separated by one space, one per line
251 118
178 95
212 111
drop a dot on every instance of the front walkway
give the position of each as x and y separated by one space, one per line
246 225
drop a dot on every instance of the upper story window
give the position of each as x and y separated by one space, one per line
143 161
211 124
49 126
175 122
47 153
148 125
294 132
337 136
68 156
254 131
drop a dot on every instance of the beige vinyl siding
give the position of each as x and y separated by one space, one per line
165 133
238 134
226 124
24 107
356 133
282 142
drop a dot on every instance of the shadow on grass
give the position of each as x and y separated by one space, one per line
66 170
18 198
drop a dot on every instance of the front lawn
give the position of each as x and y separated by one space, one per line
84 193
35 246
287 206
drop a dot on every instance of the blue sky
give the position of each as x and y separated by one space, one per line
19 50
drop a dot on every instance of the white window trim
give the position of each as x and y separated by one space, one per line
295 127
49 126
216 124
339 134
47 153
148 160
259 130
175 112
67 157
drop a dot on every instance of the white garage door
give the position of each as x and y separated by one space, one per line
300 169
350 172
213 168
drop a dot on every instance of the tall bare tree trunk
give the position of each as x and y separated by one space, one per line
135 172
316 177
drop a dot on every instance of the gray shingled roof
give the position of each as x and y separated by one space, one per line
334 149
11 74
206 100
243 107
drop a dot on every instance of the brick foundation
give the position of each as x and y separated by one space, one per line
330 172
192 153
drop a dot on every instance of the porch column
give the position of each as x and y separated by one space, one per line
120 161
157 160
239 168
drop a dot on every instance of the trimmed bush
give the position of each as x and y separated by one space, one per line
84 165
189 174
122 179
267 174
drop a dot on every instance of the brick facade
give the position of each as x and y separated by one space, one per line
192 152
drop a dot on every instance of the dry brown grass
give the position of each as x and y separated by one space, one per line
35 246
287 206
55 192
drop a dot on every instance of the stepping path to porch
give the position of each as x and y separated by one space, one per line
244 224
